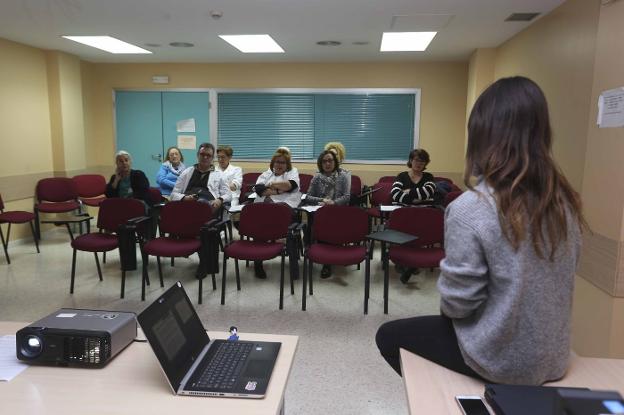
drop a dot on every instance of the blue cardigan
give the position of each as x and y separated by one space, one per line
167 177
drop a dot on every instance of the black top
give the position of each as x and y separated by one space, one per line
418 192
138 182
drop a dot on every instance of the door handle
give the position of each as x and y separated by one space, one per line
157 157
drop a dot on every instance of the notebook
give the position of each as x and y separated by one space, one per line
195 365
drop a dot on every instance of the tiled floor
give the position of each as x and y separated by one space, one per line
337 368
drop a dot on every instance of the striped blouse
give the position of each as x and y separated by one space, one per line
418 192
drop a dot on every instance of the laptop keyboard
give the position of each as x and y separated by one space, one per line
225 366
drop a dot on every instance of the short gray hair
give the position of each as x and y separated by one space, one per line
123 153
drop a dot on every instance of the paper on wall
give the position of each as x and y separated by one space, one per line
186 126
611 108
186 142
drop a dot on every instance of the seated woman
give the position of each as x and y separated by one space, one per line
170 170
126 182
279 184
341 152
330 186
232 175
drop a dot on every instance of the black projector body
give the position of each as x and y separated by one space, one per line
70 337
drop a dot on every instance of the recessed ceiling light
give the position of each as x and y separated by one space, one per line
181 44
253 43
329 43
360 42
153 45
521 17
107 43
406 41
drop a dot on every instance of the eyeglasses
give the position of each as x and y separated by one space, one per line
205 155
279 162
327 160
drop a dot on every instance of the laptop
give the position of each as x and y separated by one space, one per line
195 365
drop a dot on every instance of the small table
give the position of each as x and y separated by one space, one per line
431 388
71 219
389 236
133 383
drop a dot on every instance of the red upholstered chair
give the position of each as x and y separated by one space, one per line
338 238
90 188
183 223
426 223
117 219
442 179
387 179
356 185
304 182
54 195
11 217
379 197
249 180
265 225
450 196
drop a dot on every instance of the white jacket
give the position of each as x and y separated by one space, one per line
292 199
216 185
232 175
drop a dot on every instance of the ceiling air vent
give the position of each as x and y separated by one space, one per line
521 17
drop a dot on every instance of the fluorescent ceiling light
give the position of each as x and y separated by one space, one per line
406 41
107 43
253 43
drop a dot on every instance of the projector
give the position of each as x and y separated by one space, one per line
69 337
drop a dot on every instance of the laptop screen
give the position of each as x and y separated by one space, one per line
175 332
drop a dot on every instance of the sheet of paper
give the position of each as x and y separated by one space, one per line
311 208
390 208
611 108
187 142
186 126
9 365
234 209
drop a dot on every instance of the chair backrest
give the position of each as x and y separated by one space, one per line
382 196
387 179
450 196
265 221
90 185
249 180
426 223
184 218
304 182
155 195
339 225
56 189
356 185
116 211
442 179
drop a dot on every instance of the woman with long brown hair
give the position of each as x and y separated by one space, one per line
512 243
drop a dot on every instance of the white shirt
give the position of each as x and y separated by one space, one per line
292 199
232 175
216 185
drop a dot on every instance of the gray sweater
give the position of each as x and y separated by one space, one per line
511 310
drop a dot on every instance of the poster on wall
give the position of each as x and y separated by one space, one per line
186 126
611 108
186 142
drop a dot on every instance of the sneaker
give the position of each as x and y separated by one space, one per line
326 271
259 271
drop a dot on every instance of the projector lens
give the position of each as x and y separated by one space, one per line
32 346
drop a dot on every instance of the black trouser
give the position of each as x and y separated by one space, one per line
431 337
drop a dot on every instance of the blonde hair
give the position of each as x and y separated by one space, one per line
338 148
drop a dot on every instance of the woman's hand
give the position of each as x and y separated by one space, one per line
326 202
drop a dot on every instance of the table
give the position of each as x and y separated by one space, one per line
389 236
431 388
70 219
132 383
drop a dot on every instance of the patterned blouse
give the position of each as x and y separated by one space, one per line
336 187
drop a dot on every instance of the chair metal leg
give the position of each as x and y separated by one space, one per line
104 257
292 287
305 283
144 277
172 261
386 279
366 283
214 282
73 273
97 263
37 224
5 245
310 276
223 280
123 283
281 301
201 288
32 230
238 284
162 283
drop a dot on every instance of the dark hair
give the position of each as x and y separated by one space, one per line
319 161
281 153
420 155
205 145
226 149
173 148
510 146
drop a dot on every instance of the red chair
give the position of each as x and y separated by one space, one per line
387 179
11 217
442 179
249 180
304 182
379 197
91 188
117 219
356 185
264 224
425 252
183 223
450 196
54 195
338 238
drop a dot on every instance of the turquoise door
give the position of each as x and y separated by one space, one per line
146 125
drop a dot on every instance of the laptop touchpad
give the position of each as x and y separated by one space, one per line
258 369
